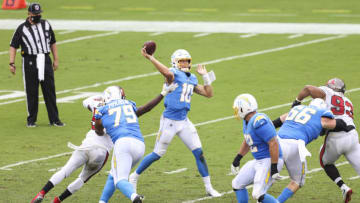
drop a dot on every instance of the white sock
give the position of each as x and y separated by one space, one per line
101 201
133 196
207 182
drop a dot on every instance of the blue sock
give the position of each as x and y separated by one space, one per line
201 162
269 199
108 190
242 196
146 162
285 195
126 188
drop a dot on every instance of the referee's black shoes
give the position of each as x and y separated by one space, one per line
31 125
57 124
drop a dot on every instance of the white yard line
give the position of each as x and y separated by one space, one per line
248 35
205 63
354 178
250 186
75 39
202 34
176 171
295 36
8 167
195 27
157 33
66 32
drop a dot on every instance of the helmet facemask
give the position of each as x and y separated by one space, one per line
181 59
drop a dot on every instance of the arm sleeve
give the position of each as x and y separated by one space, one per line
52 34
16 39
264 129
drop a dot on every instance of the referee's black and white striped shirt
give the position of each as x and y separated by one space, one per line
33 39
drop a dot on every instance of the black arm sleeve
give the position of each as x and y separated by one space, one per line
342 126
150 105
277 122
16 39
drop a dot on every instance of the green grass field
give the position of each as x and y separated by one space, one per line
273 76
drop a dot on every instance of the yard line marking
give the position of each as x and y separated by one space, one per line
204 63
176 171
76 39
295 36
67 32
8 167
157 33
202 34
250 186
152 134
354 178
248 35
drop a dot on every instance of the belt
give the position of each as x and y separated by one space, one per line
33 56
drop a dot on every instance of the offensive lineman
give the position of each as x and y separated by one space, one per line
174 119
336 143
301 126
260 139
92 153
119 117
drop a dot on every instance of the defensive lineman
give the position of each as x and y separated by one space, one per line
92 154
174 119
336 143
301 126
120 119
260 139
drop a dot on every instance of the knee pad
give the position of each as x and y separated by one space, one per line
258 196
234 185
76 185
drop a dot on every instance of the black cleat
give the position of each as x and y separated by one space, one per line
57 124
138 199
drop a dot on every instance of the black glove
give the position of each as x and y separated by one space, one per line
295 103
277 122
237 159
274 169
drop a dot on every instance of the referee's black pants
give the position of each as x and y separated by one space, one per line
31 84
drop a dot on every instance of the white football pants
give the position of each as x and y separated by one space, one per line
258 173
126 154
185 129
341 143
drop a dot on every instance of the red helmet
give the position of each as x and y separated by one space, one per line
336 84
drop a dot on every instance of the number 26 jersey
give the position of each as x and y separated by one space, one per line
177 103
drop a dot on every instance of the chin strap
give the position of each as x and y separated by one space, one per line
186 70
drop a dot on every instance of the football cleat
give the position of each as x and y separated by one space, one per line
38 198
133 180
346 192
138 199
212 192
56 200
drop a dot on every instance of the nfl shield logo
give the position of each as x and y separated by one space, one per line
37 7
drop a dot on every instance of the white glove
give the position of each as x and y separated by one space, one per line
168 88
234 170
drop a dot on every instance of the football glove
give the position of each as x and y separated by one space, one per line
234 170
295 103
168 88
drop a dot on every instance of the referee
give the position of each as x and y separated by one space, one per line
37 39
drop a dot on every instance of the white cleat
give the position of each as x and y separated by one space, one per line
133 180
346 192
212 192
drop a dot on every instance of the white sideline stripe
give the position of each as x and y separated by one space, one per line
8 167
248 35
67 32
193 26
295 36
354 178
202 34
250 186
205 63
152 134
176 171
157 33
75 39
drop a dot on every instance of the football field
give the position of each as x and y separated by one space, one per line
272 63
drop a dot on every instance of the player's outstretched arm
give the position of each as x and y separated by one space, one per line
336 125
159 66
206 89
151 104
274 156
309 90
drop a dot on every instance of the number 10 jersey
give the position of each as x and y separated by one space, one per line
177 103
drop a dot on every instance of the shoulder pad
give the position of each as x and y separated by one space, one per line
259 121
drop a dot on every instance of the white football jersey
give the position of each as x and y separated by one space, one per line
339 105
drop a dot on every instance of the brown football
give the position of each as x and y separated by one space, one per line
150 47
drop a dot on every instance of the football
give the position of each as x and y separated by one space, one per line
150 47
